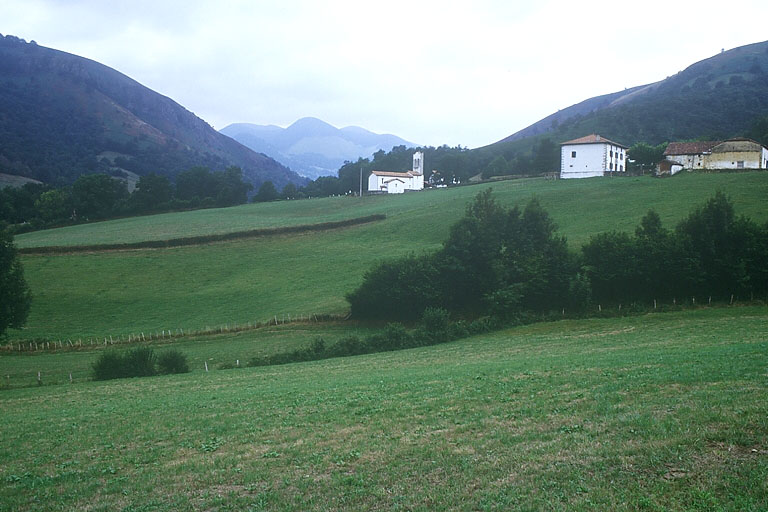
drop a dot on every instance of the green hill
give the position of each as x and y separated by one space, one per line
713 99
63 116
102 294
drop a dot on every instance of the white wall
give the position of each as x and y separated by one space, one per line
589 160
374 183
749 160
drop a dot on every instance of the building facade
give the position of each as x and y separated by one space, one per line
591 156
714 155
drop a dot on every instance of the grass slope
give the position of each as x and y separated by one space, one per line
660 412
81 295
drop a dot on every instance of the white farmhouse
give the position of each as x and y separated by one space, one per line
398 182
591 156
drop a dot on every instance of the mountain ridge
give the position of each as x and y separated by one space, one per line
74 110
311 146
716 97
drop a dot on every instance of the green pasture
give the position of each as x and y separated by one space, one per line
124 292
605 203
657 412
219 350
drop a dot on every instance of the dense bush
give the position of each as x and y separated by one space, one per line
138 362
172 361
109 365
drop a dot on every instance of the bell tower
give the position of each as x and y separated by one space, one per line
418 163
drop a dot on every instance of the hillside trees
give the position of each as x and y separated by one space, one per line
496 260
711 253
644 157
98 196
15 297
510 264
267 192
151 193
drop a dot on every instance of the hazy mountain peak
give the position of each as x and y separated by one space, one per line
312 147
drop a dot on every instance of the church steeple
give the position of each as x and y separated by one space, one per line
418 163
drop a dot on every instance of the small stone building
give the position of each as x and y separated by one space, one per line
714 155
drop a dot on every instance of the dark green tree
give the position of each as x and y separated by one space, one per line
289 191
497 167
267 192
97 196
644 157
15 297
55 205
546 156
230 187
195 184
151 192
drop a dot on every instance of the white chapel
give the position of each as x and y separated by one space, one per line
398 182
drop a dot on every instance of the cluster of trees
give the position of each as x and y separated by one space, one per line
544 157
510 264
496 260
15 297
100 196
713 253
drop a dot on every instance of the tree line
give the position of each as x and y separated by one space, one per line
511 265
100 196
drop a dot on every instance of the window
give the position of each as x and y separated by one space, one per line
740 164
621 168
610 166
611 153
573 154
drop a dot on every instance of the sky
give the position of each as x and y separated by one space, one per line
432 72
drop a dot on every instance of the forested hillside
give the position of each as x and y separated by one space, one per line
62 116
713 99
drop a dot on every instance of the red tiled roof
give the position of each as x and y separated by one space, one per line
690 148
592 139
408 174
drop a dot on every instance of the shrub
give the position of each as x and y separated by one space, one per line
436 322
108 366
172 361
140 362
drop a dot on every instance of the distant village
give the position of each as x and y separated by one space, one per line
594 156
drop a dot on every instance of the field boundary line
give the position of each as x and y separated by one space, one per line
203 239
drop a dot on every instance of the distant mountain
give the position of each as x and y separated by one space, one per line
312 147
62 116
715 98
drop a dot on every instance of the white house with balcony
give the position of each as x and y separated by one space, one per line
389 182
591 156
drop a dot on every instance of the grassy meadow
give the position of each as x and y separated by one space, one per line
656 412
123 292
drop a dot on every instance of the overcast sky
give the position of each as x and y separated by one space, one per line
432 72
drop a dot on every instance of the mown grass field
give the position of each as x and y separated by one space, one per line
656 412
118 293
